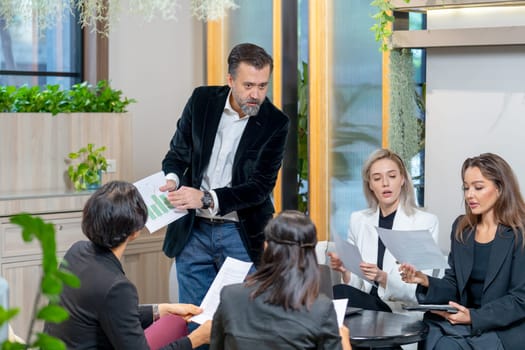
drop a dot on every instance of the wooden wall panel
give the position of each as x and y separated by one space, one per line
320 52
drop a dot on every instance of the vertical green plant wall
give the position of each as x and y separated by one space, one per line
405 129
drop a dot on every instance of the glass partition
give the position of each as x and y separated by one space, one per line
356 121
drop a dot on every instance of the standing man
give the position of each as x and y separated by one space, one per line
222 165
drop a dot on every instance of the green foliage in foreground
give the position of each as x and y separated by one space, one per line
51 285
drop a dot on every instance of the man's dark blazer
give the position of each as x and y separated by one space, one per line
503 301
256 164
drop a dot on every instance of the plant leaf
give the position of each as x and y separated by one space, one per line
53 313
47 342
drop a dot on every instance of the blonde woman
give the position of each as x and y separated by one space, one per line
390 195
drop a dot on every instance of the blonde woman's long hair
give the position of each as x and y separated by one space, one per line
406 197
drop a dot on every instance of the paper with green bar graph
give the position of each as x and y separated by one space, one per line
160 210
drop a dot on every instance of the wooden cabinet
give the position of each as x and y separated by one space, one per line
148 267
33 154
20 262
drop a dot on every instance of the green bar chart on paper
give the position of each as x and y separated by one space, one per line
160 210
160 206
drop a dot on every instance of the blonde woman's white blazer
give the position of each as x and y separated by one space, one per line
362 233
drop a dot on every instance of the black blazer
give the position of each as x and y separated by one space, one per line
241 322
503 300
256 164
104 312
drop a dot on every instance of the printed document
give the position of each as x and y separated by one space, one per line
349 255
340 309
414 247
160 210
231 272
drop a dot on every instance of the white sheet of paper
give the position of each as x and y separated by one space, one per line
232 271
414 247
349 255
340 309
160 210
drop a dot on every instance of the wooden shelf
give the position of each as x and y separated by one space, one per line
495 36
424 5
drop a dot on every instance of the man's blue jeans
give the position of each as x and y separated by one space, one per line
204 254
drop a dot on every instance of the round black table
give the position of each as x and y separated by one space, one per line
376 329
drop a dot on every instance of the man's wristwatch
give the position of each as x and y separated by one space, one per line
207 200
156 312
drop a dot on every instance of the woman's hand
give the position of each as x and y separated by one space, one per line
344 332
409 274
461 317
186 311
201 335
373 273
337 264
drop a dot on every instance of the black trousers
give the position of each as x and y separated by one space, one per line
358 298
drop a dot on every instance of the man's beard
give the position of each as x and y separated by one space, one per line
246 109
251 110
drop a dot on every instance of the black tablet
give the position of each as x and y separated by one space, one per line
430 307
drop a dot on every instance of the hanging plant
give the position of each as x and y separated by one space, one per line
211 10
384 20
405 127
107 12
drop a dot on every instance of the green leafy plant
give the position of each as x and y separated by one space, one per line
87 174
7 97
82 97
302 140
51 285
384 19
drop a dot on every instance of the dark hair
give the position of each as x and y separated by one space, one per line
250 54
509 208
112 213
406 197
289 272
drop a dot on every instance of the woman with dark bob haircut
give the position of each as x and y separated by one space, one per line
486 279
104 311
114 213
279 306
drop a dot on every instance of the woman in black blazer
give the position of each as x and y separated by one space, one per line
279 307
486 279
104 312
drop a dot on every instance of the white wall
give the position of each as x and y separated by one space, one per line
157 63
475 104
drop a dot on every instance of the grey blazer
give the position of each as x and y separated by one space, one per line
503 300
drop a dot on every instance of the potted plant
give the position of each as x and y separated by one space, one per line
87 175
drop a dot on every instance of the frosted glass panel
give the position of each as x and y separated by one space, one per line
251 22
357 118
